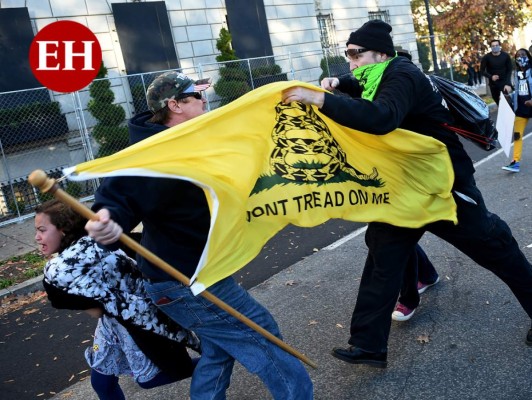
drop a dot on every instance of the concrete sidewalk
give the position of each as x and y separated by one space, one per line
466 340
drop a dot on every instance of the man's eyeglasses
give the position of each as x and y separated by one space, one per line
196 95
352 53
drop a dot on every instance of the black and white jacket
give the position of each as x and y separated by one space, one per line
85 276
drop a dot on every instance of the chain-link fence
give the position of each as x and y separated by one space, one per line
41 129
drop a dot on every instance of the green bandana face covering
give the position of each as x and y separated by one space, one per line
369 76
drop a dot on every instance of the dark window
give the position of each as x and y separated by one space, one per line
16 36
247 23
145 36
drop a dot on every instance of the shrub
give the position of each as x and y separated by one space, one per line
266 70
233 81
223 44
13 204
109 132
333 66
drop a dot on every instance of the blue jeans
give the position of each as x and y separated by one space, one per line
225 339
480 234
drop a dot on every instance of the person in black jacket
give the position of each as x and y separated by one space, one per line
390 92
497 67
176 221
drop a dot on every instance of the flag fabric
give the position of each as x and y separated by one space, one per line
264 165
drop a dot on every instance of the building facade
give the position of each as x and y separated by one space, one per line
141 38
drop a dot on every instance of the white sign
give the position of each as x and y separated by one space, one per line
505 125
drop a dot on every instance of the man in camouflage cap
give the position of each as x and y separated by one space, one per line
170 86
176 221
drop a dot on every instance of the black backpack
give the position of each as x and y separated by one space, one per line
470 112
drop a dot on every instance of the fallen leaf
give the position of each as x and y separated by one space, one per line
315 249
424 338
339 326
291 282
312 322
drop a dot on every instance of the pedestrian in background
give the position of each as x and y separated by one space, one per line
470 71
130 338
497 67
522 104
476 67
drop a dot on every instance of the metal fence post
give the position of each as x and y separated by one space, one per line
4 161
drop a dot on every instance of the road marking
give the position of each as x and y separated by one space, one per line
347 238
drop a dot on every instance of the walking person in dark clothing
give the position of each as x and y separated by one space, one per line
390 92
476 67
497 67
468 65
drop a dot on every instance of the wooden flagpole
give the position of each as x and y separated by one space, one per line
40 180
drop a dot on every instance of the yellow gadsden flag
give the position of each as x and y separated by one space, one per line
264 165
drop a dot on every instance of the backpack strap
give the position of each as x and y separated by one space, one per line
469 135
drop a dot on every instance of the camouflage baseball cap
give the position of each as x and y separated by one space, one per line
168 86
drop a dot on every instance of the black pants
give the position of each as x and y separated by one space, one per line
481 235
495 92
470 76
419 268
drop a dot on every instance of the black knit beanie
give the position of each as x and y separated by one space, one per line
373 35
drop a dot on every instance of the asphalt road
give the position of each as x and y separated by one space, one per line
43 347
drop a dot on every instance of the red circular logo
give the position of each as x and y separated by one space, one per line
65 56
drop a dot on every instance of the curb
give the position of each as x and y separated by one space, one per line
27 287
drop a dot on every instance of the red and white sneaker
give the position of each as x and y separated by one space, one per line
402 312
421 287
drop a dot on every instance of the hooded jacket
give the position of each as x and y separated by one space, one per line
406 99
174 213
